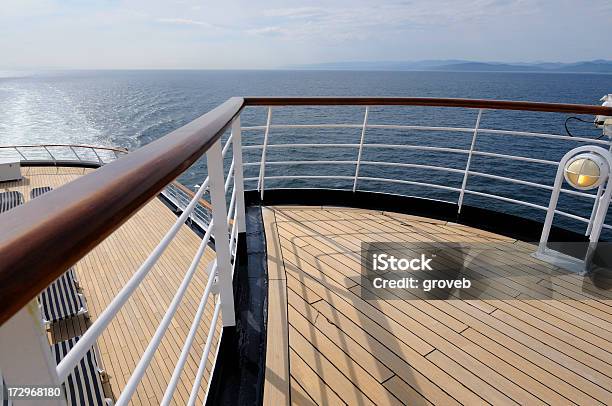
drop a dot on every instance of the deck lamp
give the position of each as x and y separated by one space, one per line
584 168
586 171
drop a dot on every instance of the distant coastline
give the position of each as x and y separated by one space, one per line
595 66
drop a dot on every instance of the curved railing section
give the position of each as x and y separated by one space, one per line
40 240
61 154
324 162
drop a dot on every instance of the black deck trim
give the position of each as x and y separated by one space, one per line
239 373
490 220
67 163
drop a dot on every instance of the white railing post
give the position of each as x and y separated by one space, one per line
363 131
595 206
219 229
97 156
262 164
50 154
26 357
238 175
469 160
75 154
19 152
594 210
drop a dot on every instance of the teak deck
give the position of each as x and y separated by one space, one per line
326 345
104 271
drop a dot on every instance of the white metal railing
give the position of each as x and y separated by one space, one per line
180 198
225 221
465 189
61 153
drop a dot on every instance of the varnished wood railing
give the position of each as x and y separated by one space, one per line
429 101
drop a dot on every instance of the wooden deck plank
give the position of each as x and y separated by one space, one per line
299 396
326 370
308 379
277 390
277 380
351 369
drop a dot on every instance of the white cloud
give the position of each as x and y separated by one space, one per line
183 21
266 31
360 20
296 12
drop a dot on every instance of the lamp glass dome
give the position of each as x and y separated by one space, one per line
584 172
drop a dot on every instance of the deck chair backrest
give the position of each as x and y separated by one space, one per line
10 200
39 191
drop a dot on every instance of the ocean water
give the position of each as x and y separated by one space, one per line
132 108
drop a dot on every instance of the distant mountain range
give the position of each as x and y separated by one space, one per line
454 65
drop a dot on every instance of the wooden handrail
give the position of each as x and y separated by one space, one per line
43 238
429 101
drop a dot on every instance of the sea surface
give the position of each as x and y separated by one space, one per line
132 108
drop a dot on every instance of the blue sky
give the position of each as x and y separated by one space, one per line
270 33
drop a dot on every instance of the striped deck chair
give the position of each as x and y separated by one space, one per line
83 386
61 299
39 191
10 200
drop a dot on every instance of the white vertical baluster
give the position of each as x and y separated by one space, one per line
75 154
219 229
26 358
363 131
97 156
50 154
238 175
469 160
594 210
262 165
595 206
19 152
